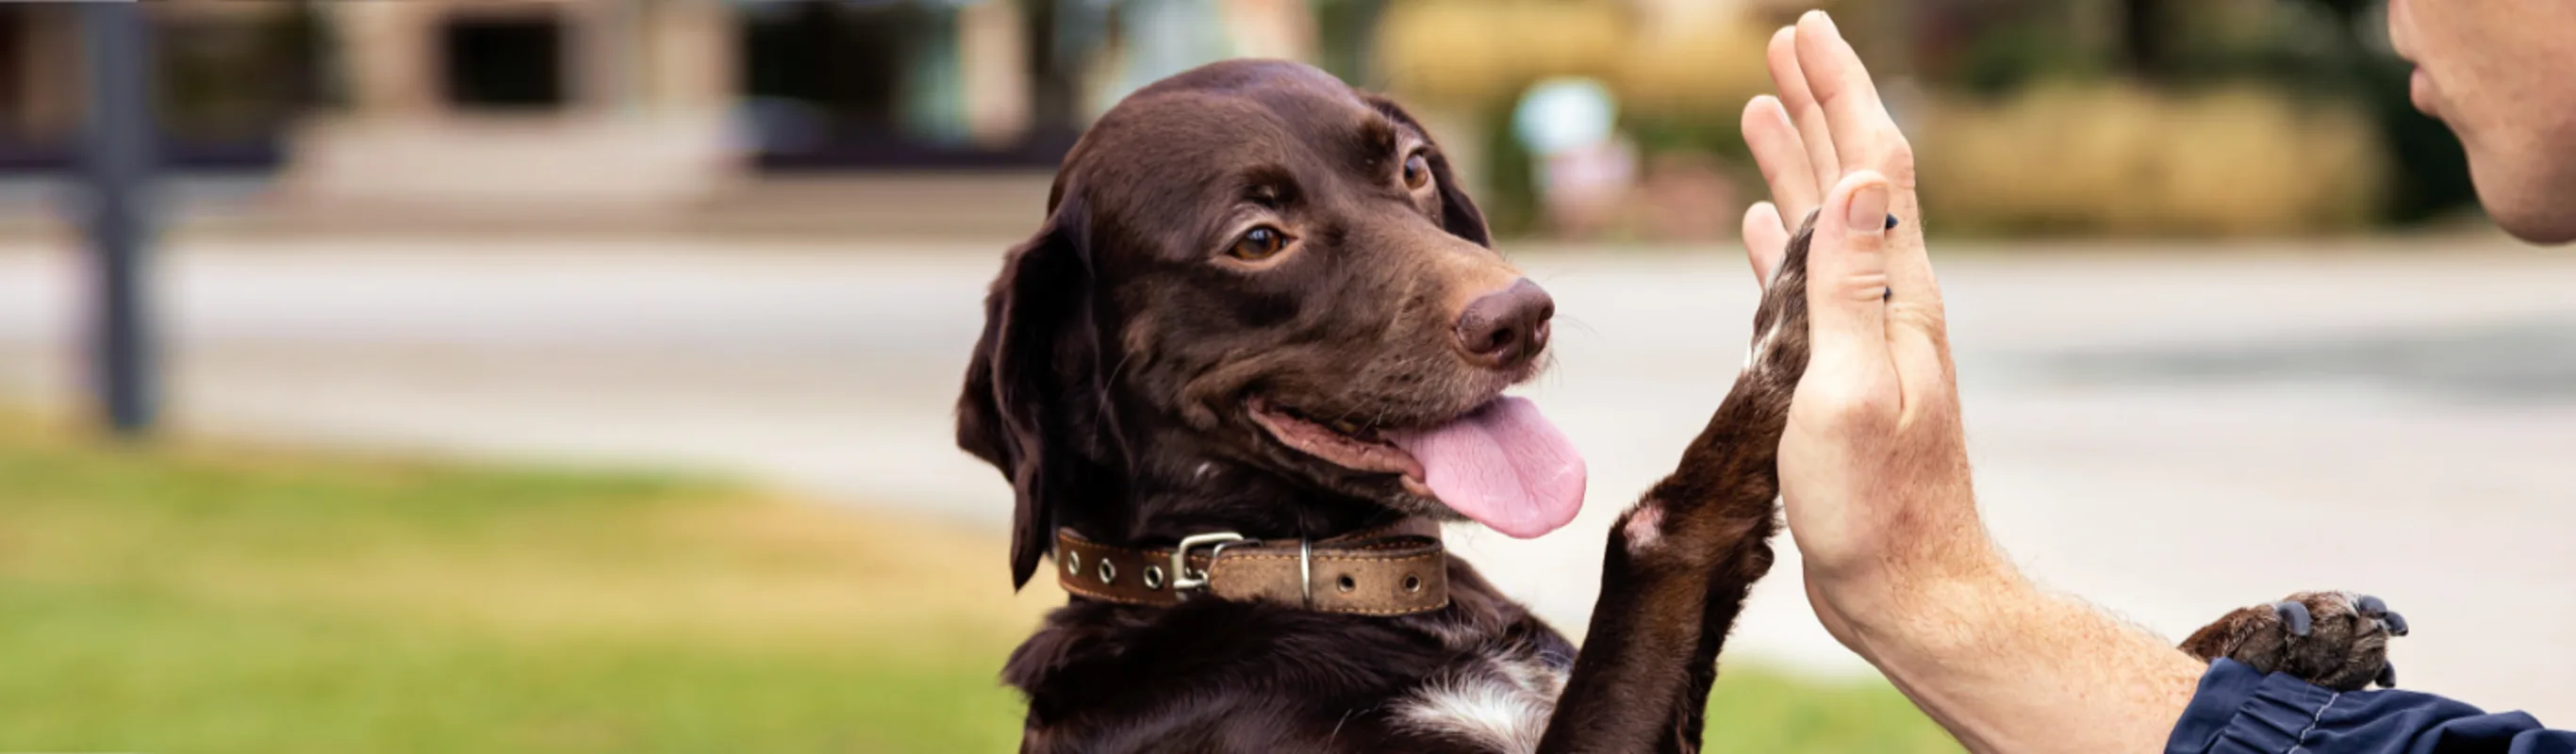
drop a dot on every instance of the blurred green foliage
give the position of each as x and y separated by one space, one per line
2320 52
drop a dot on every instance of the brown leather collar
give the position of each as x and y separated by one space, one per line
1393 570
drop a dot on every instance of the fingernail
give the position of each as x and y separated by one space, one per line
1868 213
1828 20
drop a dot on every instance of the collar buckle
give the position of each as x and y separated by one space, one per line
1185 578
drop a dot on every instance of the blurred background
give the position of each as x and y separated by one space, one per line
576 374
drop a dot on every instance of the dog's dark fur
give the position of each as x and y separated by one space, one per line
1115 385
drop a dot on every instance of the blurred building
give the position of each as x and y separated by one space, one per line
618 107
946 115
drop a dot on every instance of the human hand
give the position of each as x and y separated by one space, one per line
1873 468
1873 465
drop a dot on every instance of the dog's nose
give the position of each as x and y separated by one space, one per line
1506 328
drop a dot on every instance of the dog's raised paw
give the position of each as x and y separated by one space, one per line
2338 640
1779 351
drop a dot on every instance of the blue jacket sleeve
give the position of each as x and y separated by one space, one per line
2239 711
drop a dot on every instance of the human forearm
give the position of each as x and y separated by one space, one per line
2009 667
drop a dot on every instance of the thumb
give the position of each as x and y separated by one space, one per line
1847 277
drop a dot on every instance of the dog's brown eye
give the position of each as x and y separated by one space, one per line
1417 171
1258 244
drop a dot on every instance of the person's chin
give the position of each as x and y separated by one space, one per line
2520 201
2544 228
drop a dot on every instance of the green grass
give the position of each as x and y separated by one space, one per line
185 599
1757 711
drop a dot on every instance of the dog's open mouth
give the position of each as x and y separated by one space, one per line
1502 463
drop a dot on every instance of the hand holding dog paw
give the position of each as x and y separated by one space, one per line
1873 466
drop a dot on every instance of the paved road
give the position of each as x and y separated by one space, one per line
2169 432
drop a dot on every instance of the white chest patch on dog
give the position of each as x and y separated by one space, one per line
1502 707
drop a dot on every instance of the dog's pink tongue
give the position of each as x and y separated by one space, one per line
1505 466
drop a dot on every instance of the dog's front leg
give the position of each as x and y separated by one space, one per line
1682 559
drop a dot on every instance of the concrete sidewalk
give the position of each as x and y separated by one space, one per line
2168 432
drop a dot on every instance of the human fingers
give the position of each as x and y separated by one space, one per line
1866 137
1781 153
1803 110
1766 240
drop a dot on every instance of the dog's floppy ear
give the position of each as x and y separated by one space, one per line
1032 378
1458 214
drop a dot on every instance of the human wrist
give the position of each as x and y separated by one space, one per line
1951 601
1994 658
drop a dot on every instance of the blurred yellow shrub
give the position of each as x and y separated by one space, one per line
1462 51
1663 58
2121 159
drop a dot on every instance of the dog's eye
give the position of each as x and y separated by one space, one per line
1258 244
1417 171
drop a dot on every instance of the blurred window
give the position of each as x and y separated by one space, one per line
843 63
15 62
228 82
514 62
234 76
882 83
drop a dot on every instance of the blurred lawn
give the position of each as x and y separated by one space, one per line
185 599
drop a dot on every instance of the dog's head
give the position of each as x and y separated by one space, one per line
1259 282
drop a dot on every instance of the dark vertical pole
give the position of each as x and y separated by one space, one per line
2142 33
118 159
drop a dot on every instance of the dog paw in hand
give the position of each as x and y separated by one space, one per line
2338 640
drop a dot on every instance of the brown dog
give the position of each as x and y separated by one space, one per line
1263 327
1257 348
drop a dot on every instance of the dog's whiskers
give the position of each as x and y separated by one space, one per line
1585 326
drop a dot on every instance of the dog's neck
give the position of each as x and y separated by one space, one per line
1178 489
